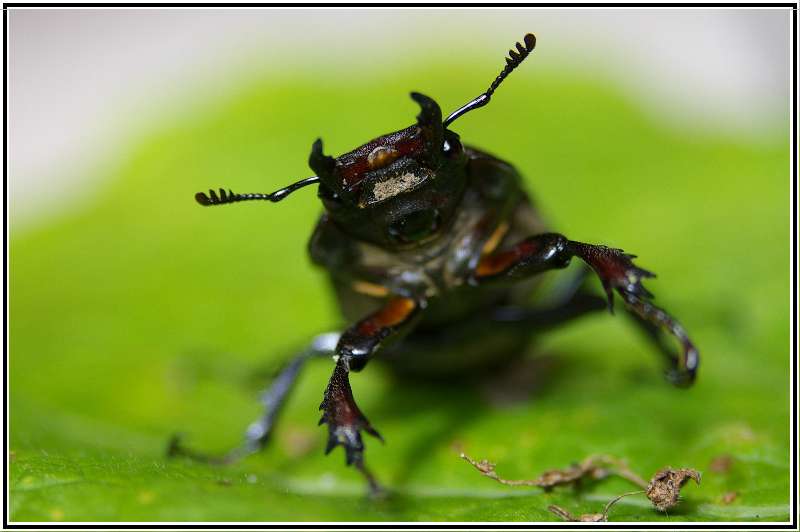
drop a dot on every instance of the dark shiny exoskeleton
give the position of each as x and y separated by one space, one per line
433 249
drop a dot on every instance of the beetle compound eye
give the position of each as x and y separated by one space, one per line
452 147
330 198
415 226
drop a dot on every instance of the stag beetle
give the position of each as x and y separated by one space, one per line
427 242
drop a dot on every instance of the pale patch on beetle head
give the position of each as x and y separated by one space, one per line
381 156
395 185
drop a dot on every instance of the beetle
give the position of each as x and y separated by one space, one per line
433 249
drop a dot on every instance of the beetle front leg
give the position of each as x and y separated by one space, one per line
617 273
356 347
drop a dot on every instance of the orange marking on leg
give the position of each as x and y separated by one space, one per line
370 289
495 239
396 311
504 260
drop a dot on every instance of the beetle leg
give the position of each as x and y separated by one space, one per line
533 255
544 319
580 303
684 367
617 273
380 329
345 421
355 348
273 398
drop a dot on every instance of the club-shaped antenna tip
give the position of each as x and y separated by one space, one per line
202 199
530 41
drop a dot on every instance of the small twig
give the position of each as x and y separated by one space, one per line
583 518
562 513
595 467
486 468
590 518
614 501
663 490
622 469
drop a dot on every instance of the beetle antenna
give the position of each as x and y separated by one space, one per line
515 57
229 197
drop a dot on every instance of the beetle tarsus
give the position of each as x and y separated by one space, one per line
618 273
344 419
345 423
615 269
684 367
376 490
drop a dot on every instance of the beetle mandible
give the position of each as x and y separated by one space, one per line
427 243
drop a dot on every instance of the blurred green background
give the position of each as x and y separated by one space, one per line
137 314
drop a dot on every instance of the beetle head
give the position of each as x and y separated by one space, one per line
400 189
397 189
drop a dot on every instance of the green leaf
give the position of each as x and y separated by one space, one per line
138 314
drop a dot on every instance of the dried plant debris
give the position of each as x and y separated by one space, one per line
590 518
584 518
663 490
595 467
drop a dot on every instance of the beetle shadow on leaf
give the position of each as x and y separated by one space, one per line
458 402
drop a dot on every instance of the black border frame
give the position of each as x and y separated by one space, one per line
792 525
